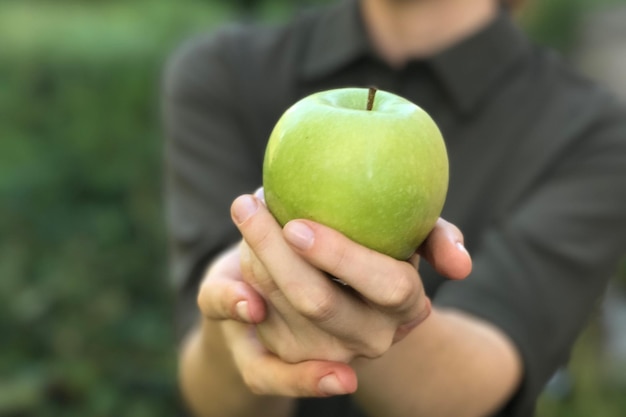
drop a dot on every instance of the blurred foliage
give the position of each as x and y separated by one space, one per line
555 23
86 308
591 392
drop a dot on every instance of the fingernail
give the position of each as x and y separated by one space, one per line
330 385
243 208
299 235
260 194
243 312
462 248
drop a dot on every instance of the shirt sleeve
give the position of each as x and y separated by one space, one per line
208 161
541 269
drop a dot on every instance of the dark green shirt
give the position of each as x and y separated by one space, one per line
537 166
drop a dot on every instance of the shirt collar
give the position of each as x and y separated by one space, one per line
469 69
338 38
466 69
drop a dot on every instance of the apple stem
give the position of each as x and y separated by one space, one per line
370 98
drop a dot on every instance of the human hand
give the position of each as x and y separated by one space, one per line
230 308
225 298
308 316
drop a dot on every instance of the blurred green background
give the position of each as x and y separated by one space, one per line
86 307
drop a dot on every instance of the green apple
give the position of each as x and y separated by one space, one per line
367 163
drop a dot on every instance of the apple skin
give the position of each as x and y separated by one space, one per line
378 176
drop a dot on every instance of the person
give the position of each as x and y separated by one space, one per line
537 176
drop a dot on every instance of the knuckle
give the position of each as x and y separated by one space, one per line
259 240
285 348
339 260
400 294
377 348
319 307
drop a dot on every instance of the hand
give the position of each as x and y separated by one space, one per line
230 307
225 298
308 316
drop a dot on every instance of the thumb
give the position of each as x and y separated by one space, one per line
224 299
445 251
224 295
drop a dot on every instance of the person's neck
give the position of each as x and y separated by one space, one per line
401 30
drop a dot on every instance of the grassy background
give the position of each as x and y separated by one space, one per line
83 289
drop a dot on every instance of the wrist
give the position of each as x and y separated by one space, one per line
205 369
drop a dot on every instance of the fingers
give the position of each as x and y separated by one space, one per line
222 299
403 330
389 284
445 251
386 284
289 262
265 374
303 297
384 281
223 295
303 285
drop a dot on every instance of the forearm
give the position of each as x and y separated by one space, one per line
450 365
212 386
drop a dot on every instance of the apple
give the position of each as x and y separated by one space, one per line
366 162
